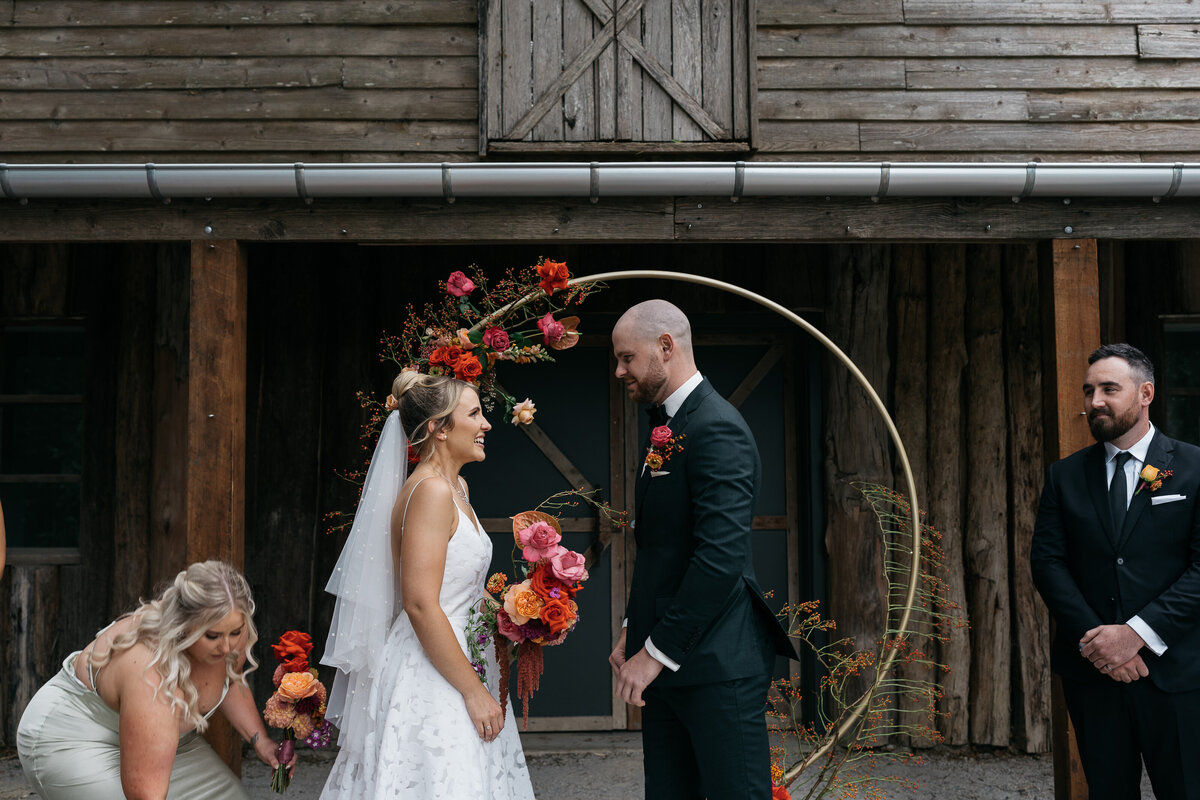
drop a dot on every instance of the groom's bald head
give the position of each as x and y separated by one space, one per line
647 321
653 345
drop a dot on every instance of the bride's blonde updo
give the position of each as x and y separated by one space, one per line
423 399
199 598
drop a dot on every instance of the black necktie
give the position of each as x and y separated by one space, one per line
658 415
1118 493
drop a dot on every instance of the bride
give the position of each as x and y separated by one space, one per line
415 718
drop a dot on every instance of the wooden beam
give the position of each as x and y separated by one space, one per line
216 424
1070 281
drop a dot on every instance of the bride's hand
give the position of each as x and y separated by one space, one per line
485 713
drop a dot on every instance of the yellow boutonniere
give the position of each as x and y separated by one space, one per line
1151 477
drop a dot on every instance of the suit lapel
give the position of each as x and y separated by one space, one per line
1159 455
1094 477
677 424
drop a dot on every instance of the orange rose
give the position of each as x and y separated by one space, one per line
292 650
298 685
542 582
554 275
447 356
557 614
519 599
468 368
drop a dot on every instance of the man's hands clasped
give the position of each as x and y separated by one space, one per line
1114 651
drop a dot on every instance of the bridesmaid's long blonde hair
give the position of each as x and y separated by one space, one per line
199 598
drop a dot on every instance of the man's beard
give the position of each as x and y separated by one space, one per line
648 387
1105 426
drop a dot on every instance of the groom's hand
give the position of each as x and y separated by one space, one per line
617 658
1109 646
635 675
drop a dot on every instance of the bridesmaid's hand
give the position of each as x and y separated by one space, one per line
265 748
485 713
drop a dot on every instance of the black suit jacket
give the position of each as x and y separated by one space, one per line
1091 575
694 591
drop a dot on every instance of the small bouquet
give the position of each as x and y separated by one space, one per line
298 704
539 610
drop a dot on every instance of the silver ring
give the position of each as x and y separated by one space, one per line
1106 667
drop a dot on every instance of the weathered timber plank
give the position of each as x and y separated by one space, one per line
930 156
283 40
715 61
986 533
20 137
774 104
324 102
1023 385
30 627
516 68
442 72
1168 41
1135 137
579 101
1050 73
547 66
685 67
947 512
743 55
921 219
219 157
106 13
1115 106
1061 12
830 73
172 73
945 41
656 103
799 137
365 221
832 12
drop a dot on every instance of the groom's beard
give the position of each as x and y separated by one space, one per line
646 388
1105 426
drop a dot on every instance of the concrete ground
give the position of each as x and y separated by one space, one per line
608 766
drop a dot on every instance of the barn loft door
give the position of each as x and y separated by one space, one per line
566 74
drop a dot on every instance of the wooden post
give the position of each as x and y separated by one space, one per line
216 425
1070 283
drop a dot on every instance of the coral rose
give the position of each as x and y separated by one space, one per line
538 541
568 567
391 404
553 274
521 603
558 615
523 412
298 685
552 330
660 436
464 340
496 339
458 284
468 368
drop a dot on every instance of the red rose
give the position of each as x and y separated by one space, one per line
496 339
292 650
660 436
468 368
458 284
554 275
447 356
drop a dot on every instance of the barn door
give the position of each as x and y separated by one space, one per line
563 71
589 434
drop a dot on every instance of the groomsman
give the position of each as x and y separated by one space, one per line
700 640
1116 557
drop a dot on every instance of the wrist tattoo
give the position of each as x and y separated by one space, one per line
254 740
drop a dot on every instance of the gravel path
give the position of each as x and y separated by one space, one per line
608 766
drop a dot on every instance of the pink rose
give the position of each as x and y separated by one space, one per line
552 330
496 339
539 541
508 629
568 567
458 284
660 436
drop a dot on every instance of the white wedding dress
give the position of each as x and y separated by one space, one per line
423 745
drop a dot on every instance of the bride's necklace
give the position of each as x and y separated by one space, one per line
455 486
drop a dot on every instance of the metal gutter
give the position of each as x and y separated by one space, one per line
594 180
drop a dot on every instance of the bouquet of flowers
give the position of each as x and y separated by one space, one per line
298 704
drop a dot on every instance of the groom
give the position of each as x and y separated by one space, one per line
700 640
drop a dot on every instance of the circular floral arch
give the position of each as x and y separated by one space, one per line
889 658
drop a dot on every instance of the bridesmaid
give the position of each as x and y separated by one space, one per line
123 717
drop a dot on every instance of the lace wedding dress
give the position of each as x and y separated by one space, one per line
423 746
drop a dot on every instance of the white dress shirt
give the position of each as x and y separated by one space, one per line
1133 468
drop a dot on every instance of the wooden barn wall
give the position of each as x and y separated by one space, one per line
321 80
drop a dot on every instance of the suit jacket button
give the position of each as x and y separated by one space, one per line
1120 561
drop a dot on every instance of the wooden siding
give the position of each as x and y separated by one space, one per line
379 80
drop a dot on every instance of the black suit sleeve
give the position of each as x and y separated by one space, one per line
722 469
1051 571
1176 611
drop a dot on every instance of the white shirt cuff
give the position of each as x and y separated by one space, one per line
658 656
1152 639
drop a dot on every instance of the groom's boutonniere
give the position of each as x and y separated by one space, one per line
1152 479
663 444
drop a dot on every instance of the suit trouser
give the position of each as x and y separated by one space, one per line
1119 725
708 740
